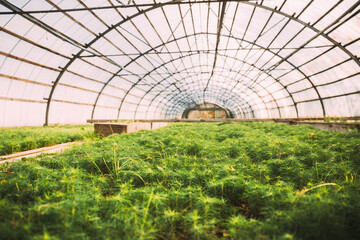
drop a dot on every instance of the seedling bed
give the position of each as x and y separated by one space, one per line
190 181
15 140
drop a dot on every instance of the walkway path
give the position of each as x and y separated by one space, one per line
32 153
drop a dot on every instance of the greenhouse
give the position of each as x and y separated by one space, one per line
179 119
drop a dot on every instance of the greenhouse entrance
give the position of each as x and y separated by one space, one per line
207 111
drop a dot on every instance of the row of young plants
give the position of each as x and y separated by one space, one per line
14 140
190 181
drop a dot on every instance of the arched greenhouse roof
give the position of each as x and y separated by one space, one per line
66 61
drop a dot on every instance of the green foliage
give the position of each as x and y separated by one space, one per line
190 181
21 139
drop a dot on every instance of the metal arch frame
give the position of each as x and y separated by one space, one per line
180 91
319 33
286 60
174 110
178 80
228 113
218 34
120 6
178 72
174 2
260 70
193 35
223 105
274 100
201 94
296 68
185 114
159 102
213 101
216 101
170 111
88 45
157 107
235 106
195 75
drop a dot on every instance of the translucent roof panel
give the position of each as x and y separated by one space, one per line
66 61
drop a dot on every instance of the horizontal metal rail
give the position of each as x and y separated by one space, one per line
314 122
355 118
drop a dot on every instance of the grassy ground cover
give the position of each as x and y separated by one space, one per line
14 140
190 181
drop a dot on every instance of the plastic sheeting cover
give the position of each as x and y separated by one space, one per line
66 61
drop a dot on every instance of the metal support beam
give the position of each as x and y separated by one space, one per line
218 34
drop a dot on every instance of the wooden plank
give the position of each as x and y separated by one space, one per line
35 152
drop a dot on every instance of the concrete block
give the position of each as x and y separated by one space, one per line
134 127
157 125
